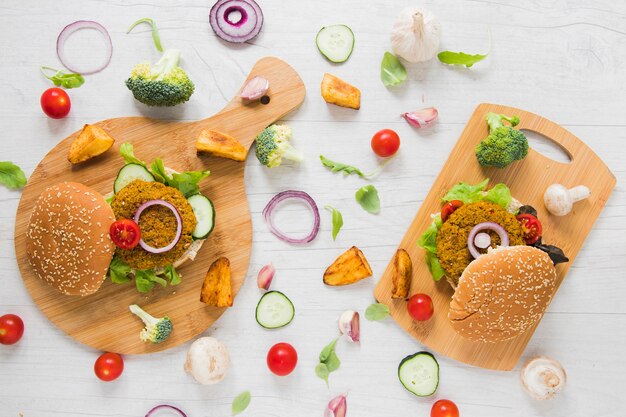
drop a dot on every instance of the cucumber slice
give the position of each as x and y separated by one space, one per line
130 173
205 215
419 374
335 42
274 310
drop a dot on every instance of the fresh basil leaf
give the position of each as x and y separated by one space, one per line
328 349
321 370
434 266
499 194
460 58
329 361
337 220
467 193
158 171
127 152
367 197
171 274
241 402
63 79
341 167
392 72
118 271
376 312
187 182
11 176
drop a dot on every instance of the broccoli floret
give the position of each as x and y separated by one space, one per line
272 145
504 145
156 330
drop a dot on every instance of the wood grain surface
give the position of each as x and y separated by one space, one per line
527 179
91 319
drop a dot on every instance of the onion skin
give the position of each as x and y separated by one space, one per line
78 25
179 227
286 195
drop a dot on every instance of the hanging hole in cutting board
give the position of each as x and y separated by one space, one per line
547 147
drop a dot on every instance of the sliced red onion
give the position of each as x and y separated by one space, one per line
422 118
171 411
337 407
179 227
255 89
78 25
482 240
236 21
270 208
504 236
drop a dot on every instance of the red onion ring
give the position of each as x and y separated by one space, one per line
179 227
246 28
270 208
176 410
504 236
78 25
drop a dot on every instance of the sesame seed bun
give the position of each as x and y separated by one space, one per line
502 294
67 240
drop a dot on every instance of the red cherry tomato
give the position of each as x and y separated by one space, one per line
109 366
125 233
11 329
55 103
420 307
282 359
444 408
385 143
449 208
531 226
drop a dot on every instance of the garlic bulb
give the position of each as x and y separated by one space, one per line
543 377
415 35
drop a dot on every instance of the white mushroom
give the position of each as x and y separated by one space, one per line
207 360
543 377
559 200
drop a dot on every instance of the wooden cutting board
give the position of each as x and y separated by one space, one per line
527 179
102 320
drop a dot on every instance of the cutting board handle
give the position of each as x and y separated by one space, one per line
286 92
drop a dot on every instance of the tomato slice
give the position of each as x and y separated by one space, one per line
449 208
531 226
125 233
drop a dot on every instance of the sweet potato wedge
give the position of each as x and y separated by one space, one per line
337 91
220 144
350 267
216 288
91 142
401 275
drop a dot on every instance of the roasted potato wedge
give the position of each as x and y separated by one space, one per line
337 91
216 289
401 274
350 267
91 142
220 144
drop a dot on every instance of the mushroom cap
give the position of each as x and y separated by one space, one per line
543 377
558 200
207 360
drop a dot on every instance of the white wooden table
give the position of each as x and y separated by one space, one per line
562 59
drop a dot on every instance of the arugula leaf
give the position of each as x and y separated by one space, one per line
118 271
337 220
467 193
127 152
187 182
11 176
158 171
341 167
460 58
392 72
367 197
329 361
172 275
63 79
499 194
241 402
376 312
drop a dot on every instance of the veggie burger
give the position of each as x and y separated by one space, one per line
489 248
155 220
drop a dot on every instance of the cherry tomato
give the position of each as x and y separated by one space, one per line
385 143
55 103
125 233
282 359
11 329
449 208
531 226
109 366
420 307
444 408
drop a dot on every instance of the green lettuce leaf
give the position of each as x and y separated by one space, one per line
434 266
467 193
171 274
500 194
187 182
118 271
158 171
127 152
428 239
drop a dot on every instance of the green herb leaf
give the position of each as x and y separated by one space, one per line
367 197
337 220
158 171
467 193
499 194
241 402
434 266
127 152
63 79
341 167
146 278
321 370
460 58
11 176
187 182
118 271
376 312
171 274
392 72
329 360
155 32
428 239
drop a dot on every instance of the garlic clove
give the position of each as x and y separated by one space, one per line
349 325
266 274
337 407
255 89
543 377
422 118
